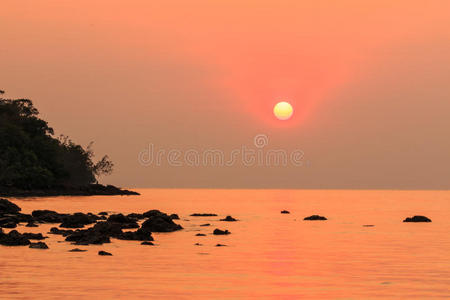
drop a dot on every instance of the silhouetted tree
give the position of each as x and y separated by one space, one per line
30 157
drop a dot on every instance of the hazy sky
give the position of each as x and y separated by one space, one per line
369 82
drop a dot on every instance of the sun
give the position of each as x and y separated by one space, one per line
283 110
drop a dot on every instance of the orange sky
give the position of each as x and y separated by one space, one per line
368 81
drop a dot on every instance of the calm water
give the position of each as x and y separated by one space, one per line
269 255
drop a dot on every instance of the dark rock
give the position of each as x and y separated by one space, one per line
147 243
38 245
198 244
220 232
48 216
229 219
285 212
417 219
220 245
87 190
207 224
138 235
34 236
104 253
31 224
103 213
124 221
77 250
368 225
8 222
100 233
62 232
203 215
200 234
13 238
78 220
119 218
174 217
154 213
135 216
160 223
7 207
315 218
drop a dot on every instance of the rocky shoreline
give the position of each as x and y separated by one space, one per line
89 190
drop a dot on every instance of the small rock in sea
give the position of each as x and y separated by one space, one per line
315 218
285 212
62 232
103 213
203 215
77 250
198 244
220 245
31 224
368 225
13 238
78 220
229 219
417 219
104 253
147 243
200 234
138 235
8 222
174 217
38 245
160 223
207 224
220 232
48 216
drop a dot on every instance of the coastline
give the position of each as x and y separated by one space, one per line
89 190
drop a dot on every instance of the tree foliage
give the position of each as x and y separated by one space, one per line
31 157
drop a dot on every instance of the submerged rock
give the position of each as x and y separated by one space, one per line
200 234
160 223
315 218
220 232
220 245
229 219
285 212
100 233
7 207
147 243
203 215
77 250
417 219
38 245
104 253
13 238
368 225
207 224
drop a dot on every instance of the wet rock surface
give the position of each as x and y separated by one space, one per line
203 215
417 219
38 245
220 232
315 218
229 219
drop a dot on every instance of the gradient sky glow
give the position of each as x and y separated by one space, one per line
369 82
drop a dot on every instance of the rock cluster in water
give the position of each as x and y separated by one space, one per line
417 219
71 226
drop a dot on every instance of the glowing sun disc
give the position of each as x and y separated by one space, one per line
283 110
